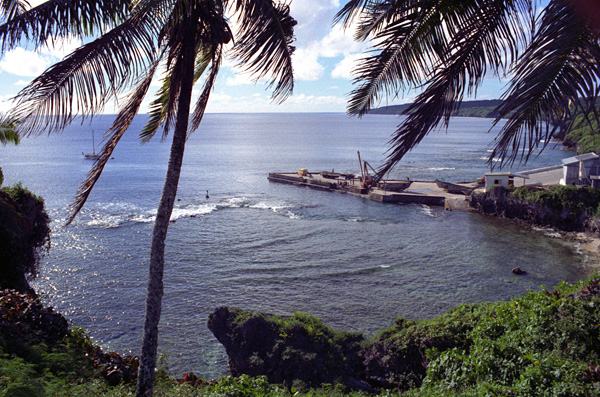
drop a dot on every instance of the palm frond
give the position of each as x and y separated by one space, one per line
86 79
264 45
113 135
351 9
405 58
559 68
10 9
60 18
476 46
158 111
213 57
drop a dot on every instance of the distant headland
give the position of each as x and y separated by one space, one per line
484 108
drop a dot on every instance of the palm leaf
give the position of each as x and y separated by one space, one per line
559 67
112 136
55 18
10 9
351 10
486 31
264 45
86 79
212 57
408 49
158 111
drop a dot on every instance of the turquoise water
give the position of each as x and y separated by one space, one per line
270 247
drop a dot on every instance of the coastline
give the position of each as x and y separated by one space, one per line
588 245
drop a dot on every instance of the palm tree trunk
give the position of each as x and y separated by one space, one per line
161 224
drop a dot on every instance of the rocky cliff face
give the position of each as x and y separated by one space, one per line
301 348
24 233
500 202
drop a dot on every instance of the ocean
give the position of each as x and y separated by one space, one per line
271 247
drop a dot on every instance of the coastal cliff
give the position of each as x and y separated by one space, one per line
301 350
566 208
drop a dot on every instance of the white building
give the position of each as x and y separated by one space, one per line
581 170
501 179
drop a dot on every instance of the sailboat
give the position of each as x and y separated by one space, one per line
93 155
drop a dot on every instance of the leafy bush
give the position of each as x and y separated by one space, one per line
558 197
545 343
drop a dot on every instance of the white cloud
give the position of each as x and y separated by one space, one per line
239 78
339 41
21 62
306 64
344 68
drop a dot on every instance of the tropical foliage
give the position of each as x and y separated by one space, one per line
581 132
447 48
544 343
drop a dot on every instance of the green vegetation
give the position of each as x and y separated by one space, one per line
467 109
544 343
562 198
583 135
567 208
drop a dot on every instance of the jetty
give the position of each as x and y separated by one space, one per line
385 191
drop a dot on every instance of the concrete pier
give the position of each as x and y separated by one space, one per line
389 191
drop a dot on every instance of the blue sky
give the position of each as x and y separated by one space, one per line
323 62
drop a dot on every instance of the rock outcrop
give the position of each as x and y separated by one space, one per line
300 349
502 203
24 234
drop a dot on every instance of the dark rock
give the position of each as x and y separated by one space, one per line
301 350
288 352
114 377
518 271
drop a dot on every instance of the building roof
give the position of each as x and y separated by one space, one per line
581 157
507 174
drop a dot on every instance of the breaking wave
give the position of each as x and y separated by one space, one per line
112 216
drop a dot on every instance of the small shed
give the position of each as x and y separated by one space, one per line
581 170
501 179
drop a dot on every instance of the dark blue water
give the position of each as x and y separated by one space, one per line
270 247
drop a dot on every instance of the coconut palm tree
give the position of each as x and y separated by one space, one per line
446 48
185 37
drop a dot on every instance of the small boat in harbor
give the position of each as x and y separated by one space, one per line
456 188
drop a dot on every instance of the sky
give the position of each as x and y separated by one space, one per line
323 63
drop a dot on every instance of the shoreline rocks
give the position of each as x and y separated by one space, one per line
301 351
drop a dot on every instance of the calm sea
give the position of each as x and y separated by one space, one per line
270 247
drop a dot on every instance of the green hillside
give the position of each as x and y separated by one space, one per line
467 109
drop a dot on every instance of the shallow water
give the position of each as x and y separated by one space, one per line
270 247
